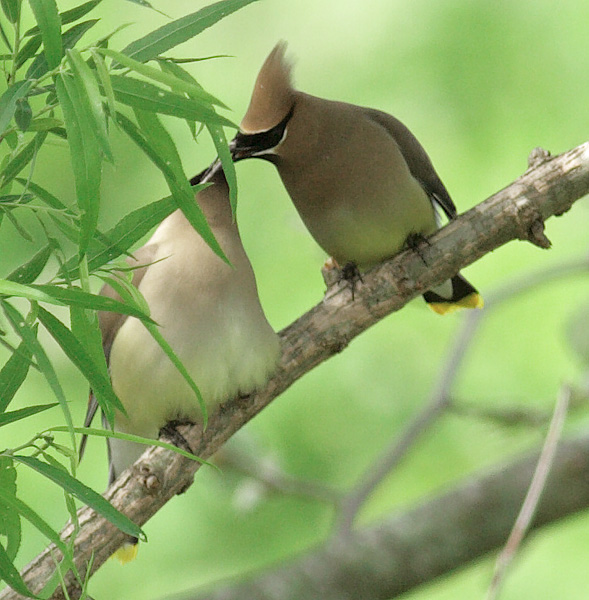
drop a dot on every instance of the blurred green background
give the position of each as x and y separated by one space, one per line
480 84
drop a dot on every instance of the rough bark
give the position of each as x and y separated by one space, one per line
548 188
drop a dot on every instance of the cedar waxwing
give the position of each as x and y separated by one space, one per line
210 314
360 180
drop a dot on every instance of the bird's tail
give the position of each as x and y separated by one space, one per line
452 295
128 551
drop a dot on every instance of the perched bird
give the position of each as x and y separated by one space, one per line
360 180
210 314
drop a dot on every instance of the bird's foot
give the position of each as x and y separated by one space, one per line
170 431
352 275
417 242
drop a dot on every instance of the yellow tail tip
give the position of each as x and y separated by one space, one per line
126 553
471 301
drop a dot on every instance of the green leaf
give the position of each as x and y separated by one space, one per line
182 193
170 35
85 155
42 194
23 114
12 288
71 15
130 229
28 272
11 9
77 297
69 39
44 124
175 83
82 360
104 77
23 158
146 96
90 100
13 374
23 413
5 40
19 507
9 520
83 493
47 18
28 334
8 102
11 576
220 140
134 438
28 51
85 327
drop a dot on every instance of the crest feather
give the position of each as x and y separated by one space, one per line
273 94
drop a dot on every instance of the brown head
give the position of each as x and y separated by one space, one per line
270 108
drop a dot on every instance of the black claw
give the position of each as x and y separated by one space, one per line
169 431
416 242
352 275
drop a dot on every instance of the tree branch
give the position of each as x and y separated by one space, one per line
516 212
393 556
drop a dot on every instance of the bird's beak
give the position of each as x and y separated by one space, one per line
244 146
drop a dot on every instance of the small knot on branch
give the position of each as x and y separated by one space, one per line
537 157
537 236
149 480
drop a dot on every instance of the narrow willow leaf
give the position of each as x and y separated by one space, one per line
87 495
28 51
69 39
16 224
12 288
42 194
176 84
25 511
130 229
23 158
16 198
9 520
9 99
146 96
28 272
13 374
85 155
135 438
71 15
23 413
220 140
77 297
90 100
10 574
44 124
181 192
176 70
47 18
170 35
104 77
5 40
11 9
81 359
23 114
28 334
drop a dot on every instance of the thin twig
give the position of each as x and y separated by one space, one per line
528 509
